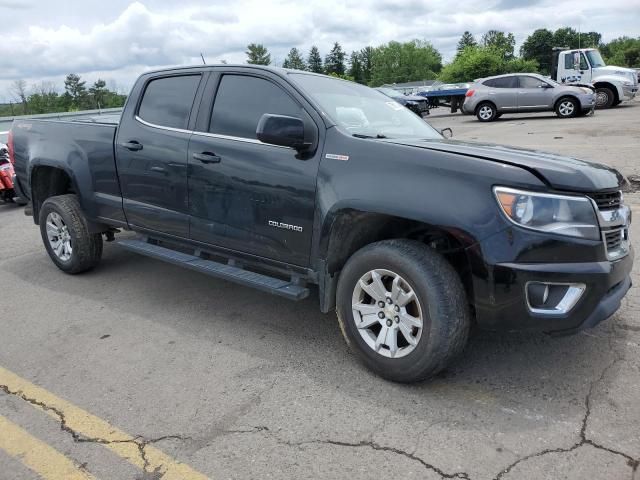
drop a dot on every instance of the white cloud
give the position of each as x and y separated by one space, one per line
120 39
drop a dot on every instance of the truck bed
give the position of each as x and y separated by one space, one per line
84 149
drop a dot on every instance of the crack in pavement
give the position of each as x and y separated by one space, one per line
364 443
378 447
139 441
631 462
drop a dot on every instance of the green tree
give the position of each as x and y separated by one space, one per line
501 42
570 38
466 40
480 62
294 60
98 93
538 47
314 61
355 68
366 61
75 92
334 61
257 54
623 51
398 62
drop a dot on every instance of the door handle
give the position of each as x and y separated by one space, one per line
207 157
133 145
159 170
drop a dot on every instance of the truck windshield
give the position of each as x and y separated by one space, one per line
595 59
363 111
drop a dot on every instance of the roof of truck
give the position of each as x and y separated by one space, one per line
269 68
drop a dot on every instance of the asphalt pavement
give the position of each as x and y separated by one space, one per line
143 370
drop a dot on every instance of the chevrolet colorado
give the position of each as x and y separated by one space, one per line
281 179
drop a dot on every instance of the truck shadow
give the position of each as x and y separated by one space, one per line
497 370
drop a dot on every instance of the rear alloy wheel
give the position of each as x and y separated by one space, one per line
567 108
402 308
604 97
66 236
486 112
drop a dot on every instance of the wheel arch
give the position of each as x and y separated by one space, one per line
352 229
611 86
48 181
564 96
483 102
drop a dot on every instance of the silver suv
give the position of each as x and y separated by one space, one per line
488 98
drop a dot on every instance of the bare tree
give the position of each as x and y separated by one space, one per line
19 91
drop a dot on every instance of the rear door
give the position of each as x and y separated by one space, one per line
503 91
247 195
151 154
534 94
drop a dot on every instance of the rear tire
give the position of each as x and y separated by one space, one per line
421 320
604 97
567 107
486 112
66 235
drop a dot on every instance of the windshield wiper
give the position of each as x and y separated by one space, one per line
362 135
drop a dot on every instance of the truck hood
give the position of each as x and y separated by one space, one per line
557 171
622 72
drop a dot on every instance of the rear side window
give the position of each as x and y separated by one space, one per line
502 82
242 100
167 101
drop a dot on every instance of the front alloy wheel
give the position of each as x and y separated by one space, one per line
387 313
402 309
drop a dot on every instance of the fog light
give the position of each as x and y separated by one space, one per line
553 298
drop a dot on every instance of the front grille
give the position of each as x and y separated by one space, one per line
607 200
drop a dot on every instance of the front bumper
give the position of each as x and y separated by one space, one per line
506 307
587 101
629 92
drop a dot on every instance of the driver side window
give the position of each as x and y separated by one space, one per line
242 100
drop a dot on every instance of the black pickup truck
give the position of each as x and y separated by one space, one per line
281 180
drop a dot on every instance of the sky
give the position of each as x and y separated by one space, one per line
116 40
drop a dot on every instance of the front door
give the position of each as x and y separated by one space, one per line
151 156
534 94
246 195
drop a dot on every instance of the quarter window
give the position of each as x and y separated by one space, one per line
242 100
167 101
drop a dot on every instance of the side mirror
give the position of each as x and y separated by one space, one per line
446 133
545 86
281 130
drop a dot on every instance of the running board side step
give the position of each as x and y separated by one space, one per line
231 273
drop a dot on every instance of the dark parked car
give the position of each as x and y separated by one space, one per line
418 105
278 180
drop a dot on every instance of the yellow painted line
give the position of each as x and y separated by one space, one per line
47 462
90 426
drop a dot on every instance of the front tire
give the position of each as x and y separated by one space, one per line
402 309
604 97
66 235
567 107
486 112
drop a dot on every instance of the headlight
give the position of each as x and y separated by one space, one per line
627 82
586 90
545 212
